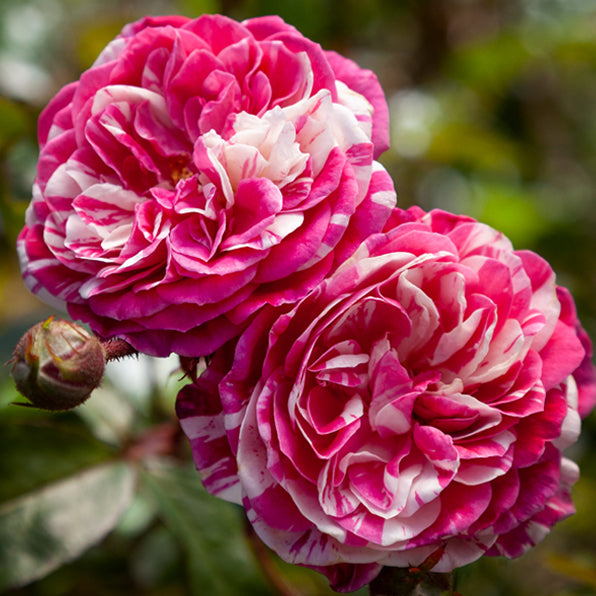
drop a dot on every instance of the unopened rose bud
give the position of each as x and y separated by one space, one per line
57 364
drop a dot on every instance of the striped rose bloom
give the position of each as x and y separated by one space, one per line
199 170
417 402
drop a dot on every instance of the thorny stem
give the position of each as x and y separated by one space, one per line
117 348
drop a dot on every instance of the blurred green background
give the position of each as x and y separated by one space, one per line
492 114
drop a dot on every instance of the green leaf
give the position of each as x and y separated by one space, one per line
219 561
43 530
34 455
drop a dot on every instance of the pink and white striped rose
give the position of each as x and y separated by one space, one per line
420 398
199 170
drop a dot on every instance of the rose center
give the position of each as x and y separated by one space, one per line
179 170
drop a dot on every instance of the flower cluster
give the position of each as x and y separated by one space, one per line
384 387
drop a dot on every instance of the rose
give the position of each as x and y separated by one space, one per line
419 399
199 170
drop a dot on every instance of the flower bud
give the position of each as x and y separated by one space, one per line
57 364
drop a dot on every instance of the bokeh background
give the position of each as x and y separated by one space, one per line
492 114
